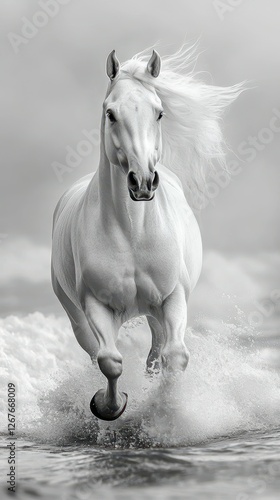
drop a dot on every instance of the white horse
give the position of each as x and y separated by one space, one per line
125 240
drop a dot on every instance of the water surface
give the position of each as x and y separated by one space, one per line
213 433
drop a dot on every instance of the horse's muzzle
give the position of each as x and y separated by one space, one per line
142 191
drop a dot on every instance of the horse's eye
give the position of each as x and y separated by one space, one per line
160 116
110 115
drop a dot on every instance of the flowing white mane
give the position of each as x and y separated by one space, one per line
193 143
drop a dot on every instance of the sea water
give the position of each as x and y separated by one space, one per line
211 433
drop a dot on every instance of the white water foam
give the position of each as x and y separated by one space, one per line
227 388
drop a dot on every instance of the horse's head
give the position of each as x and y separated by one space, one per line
132 114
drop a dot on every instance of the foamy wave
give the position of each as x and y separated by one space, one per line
227 387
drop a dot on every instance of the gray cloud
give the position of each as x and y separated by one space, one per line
54 88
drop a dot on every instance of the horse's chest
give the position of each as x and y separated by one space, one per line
134 277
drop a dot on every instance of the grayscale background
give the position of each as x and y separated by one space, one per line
53 89
214 433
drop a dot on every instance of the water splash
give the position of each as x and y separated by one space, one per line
226 389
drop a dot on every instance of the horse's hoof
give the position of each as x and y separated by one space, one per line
106 413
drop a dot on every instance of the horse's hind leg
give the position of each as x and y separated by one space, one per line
106 404
153 360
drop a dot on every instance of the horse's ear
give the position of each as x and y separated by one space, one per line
154 64
112 65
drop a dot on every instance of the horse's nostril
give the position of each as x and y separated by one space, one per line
155 181
132 181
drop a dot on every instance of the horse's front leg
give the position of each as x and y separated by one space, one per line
173 318
106 404
153 360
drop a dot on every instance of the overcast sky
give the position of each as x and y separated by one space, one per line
53 85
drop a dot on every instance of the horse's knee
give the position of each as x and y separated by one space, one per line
175 357
110 363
